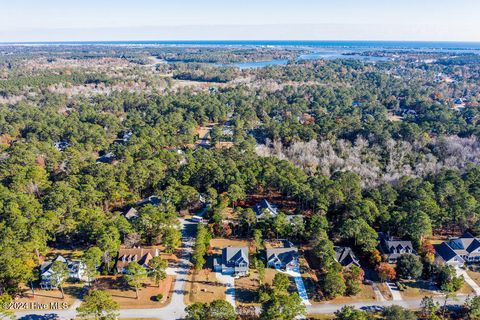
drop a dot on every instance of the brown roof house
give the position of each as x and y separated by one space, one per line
140 255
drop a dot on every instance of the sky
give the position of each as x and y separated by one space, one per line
97 20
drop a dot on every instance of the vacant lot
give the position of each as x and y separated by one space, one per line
125 296
365 295
246 288
203 286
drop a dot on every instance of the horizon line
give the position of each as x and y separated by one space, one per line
237 41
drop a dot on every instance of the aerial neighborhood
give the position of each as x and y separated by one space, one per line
239 181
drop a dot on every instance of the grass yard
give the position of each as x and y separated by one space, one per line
126 297
417 289
384 290
246 289
321 316
203 286
365 295
218 244
72 292
474 275
466 290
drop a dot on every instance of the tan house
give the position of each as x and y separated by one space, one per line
140 255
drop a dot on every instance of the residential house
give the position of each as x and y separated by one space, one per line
234 260
76 271
392 248
346 257
265 210
458 251
283 258
106 157
140 255
131 214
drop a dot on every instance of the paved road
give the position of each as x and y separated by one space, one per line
174 310
410 304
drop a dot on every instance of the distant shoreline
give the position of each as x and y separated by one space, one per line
445 45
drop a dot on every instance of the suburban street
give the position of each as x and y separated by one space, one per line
174 310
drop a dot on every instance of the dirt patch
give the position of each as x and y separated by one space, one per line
203 286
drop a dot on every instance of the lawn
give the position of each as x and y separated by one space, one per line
365 295
474 275
218 244
417 289
203 286
126 297
73 291
246 288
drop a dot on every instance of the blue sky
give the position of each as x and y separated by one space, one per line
55 20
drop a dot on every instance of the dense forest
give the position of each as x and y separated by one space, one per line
358 147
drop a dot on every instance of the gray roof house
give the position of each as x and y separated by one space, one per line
265 210
458 251
393 248
234 260
76 271
283 258
346 257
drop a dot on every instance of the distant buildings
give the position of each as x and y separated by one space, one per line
234 261
140 255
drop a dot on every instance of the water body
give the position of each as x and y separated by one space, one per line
299 43
329 55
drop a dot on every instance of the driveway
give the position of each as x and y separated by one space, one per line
302 291
394 290
229 282
469 280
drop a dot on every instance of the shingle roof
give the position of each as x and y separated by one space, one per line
345 256
141 255
262 205
283 255
234 255
445 251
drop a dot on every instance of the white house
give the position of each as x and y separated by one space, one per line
76 271
458 251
